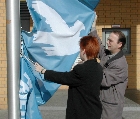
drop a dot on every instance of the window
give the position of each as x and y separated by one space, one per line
24 16
126 31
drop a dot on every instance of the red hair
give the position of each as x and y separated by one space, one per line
91 46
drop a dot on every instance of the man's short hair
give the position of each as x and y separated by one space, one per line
121 36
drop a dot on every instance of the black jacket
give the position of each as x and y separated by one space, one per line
84 88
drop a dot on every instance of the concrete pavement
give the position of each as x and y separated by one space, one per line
55 108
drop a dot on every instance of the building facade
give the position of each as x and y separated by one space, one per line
3 60
124 13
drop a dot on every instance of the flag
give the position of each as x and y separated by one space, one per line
53 42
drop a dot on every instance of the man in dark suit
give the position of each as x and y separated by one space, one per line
84 82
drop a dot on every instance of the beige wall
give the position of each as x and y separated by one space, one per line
123 12
3 73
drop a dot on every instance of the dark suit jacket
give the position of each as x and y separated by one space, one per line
84 88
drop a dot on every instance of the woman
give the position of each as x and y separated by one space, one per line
84 82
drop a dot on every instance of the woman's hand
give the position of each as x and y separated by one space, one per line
39 68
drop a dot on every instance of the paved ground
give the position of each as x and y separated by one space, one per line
55 107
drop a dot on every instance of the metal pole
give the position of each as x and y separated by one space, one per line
13 56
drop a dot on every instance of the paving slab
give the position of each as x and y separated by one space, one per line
55 108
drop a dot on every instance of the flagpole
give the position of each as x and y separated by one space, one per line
13 57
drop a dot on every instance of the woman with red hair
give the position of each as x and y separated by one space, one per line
84 82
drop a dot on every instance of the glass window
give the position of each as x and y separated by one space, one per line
24 16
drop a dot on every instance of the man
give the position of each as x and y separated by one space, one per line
115 74
84 82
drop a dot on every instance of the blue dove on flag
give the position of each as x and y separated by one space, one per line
53 42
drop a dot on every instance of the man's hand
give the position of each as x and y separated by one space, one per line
94 23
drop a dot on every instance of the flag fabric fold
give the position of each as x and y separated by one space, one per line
53 42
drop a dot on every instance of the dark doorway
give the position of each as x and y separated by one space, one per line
24 16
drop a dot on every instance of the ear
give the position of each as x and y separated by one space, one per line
120 44
84 51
